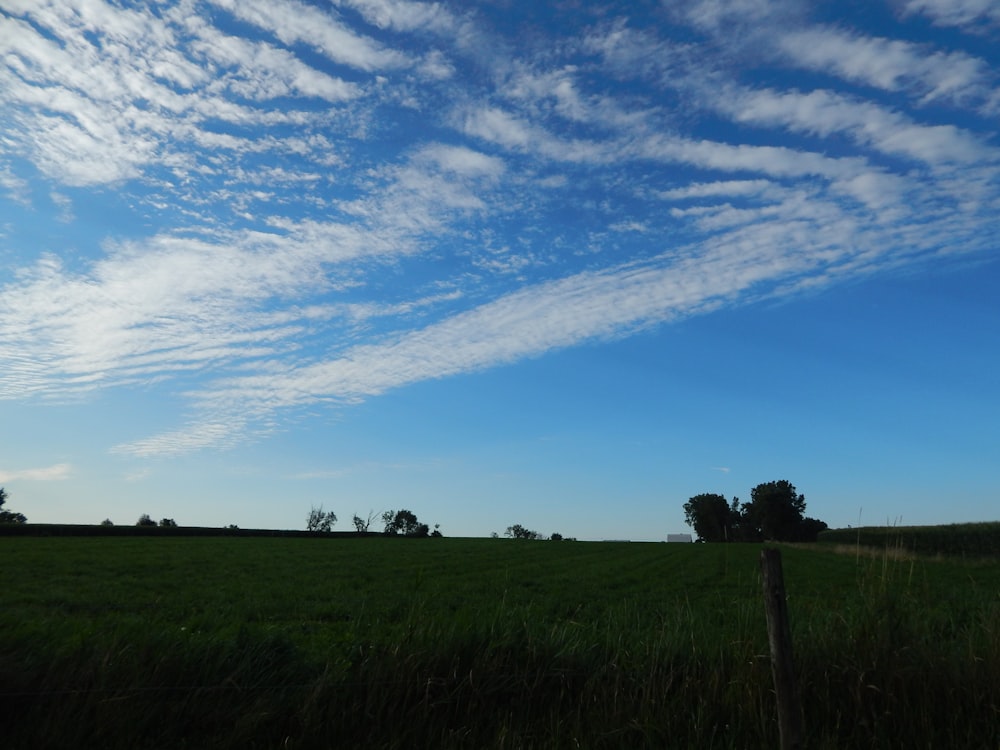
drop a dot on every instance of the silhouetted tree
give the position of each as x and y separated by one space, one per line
145 520
168 523
517 531
361 525
9 516
775 511
404 522
320 520
556 537
107 522
712 517
809 529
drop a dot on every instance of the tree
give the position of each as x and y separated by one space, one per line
712 517
168 523
320 520
9 516
775 511
517 531
361 524
556 537
107 522
809 529
403 522
145 520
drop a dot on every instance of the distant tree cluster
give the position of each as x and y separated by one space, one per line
320 520
145 520
405 523
9 516
776 511
517 531
395 523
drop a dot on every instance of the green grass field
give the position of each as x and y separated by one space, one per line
407 643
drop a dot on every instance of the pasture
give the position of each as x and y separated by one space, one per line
476 643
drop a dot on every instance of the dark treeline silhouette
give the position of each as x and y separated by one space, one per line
405 523
776 511
9 516
517 531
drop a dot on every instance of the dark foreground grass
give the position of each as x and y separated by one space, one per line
397 643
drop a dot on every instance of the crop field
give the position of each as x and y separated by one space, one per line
958 540
181 642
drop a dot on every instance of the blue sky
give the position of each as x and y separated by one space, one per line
557 264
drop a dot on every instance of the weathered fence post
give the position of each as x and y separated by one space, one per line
780 637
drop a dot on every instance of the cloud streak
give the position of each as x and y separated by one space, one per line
306 205
56 473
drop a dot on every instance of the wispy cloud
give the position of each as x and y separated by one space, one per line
970 15
56 473
823 112
769 251
890 64
295 22
313 204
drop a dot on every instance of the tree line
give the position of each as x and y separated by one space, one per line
776 512
517 531
9 516
394 523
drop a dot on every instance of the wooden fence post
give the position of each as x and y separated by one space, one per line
780 637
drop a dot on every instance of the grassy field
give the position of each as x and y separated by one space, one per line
406 643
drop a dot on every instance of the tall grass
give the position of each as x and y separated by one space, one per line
476 643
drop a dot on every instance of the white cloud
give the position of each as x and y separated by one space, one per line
115 92
437 201
167 305
295 22
731 16
462 161
627 52
15 188
775 161
402 15
56 473
720 188
500 127
971 15
771 252
629 226
176 303
889 64
824 112
204 434
262 71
